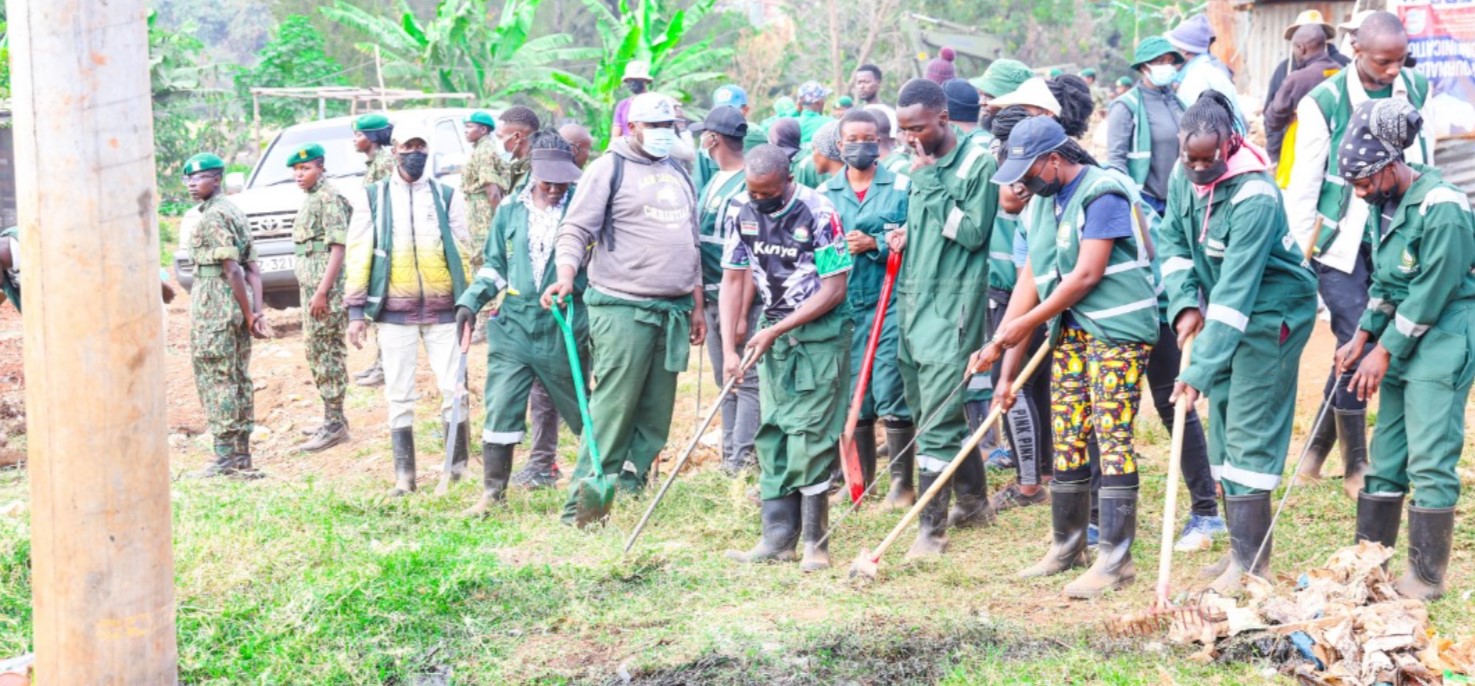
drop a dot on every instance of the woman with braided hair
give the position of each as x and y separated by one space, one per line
1421 315
1224 238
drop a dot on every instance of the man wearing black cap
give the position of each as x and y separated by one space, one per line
524 343
962 110
724 192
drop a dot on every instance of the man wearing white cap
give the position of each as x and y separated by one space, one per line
637 80
406 265
633 222
1034 95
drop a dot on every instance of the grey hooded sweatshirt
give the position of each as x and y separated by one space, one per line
655 253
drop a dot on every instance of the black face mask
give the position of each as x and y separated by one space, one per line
1379 196
1045 189
769 205
1205 177
413 163
860 156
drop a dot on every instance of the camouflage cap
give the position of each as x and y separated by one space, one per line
482 117
204 161
371 122
812 91
305 153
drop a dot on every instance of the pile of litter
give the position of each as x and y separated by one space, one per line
1343 625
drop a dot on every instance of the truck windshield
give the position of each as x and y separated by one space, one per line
341 159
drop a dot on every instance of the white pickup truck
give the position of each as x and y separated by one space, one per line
271 198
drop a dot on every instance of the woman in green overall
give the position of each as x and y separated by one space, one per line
1088 266
1421 314
524 342
1225 238
872 200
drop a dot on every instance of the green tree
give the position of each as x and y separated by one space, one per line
188 116
294 57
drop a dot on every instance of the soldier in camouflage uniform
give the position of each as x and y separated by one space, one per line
225 312
373 136
319 233
480 181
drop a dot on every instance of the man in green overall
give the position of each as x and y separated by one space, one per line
639 239
788 242
318 235
943 315
524 342
225 313
870 201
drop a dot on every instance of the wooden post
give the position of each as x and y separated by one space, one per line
101 566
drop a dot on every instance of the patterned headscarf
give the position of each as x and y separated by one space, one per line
827 140
1379 132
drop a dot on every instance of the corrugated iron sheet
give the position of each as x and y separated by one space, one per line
1456 160
1260 41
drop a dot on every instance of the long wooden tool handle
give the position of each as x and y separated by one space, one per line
968 448
1170 506
748 359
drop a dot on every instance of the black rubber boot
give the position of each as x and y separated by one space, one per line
1323 437
1352 432
1430 534
402 442
1249 524
970 484
815 513
1378 517
1113 567
780 531
903 467
496 469
865 447
462 456
1070 512
932 522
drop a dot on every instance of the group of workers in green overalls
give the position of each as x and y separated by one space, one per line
1013 238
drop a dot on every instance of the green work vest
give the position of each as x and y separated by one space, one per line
10 288
884 209
1122 308
1139 158
710 217
381 214
1332 99
805 174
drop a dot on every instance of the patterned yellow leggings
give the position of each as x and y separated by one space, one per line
1095 387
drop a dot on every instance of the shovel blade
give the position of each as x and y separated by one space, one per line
864 566
594 495
850 466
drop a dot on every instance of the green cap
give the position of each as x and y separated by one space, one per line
1003 77
1088 71
1124 81
484 118
785 107
1057 72
1152 48
845 101
371 122
204 161
305 153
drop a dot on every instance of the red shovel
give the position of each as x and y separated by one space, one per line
849 458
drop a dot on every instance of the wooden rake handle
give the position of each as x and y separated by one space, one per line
968 447
1170 505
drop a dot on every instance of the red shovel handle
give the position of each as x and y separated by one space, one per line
849 459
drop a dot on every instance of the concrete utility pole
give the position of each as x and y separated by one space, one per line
102 568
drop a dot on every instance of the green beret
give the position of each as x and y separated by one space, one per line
484 118
1124 81
203 162
1003 77
371 122
1057 72
305 153
1152 48
845 101
1088 72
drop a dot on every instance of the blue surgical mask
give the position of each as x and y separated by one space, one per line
658 142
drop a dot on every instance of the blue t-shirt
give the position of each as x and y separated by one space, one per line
1108 217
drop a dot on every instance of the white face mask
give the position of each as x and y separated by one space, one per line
502 150
1161 74
658 142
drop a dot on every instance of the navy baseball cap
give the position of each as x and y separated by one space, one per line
726 120
1031 138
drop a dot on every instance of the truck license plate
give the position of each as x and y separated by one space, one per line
279 263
